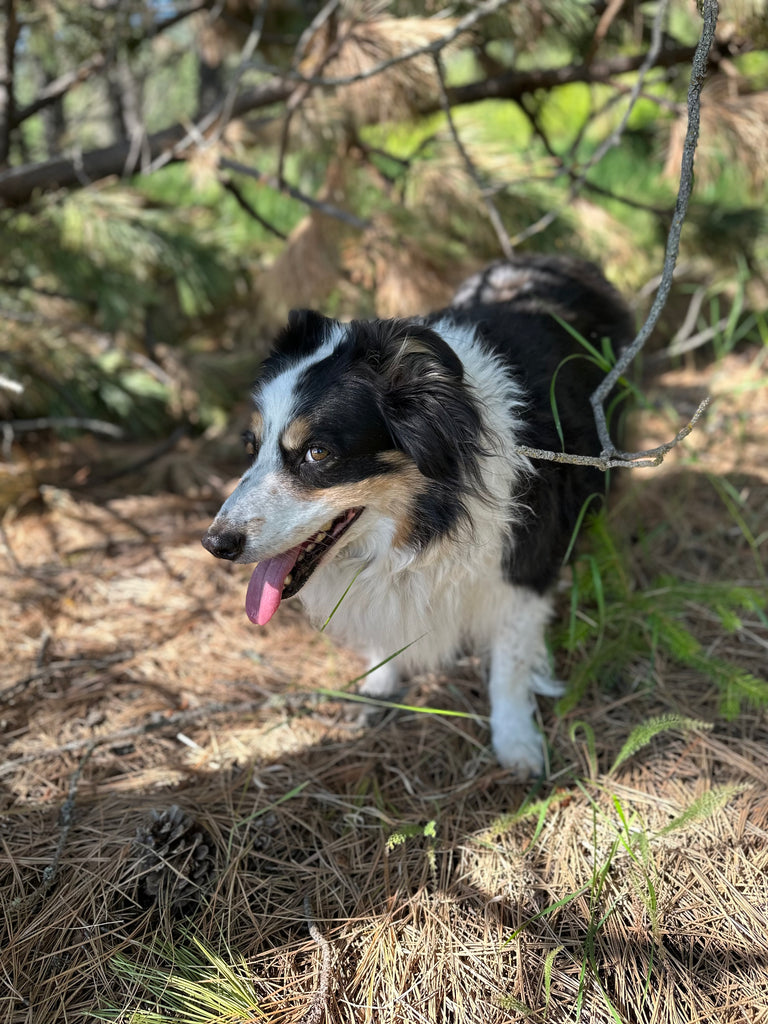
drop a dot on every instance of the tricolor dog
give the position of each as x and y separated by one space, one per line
385 461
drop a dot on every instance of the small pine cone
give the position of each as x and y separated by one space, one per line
175 860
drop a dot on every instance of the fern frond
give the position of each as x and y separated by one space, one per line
642 735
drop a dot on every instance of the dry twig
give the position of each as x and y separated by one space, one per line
320 996
66 820
493 214
610 457
654 456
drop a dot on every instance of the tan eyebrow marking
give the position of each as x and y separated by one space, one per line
257 424
296 434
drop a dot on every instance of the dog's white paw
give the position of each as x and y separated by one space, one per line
518 745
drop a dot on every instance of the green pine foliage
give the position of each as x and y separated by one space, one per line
186 982
616 624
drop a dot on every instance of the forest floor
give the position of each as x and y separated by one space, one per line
437 890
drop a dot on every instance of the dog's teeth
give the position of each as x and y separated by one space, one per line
325 528
310 546
288 580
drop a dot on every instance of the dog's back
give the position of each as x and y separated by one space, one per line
546 316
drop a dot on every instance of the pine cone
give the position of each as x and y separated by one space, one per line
176 859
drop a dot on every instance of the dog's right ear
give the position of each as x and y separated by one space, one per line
305 331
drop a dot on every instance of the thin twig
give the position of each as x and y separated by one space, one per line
611 140
58 88
65 423
617 459
244 204
433 47
710 10
43 671
10 553
247 52
66 820
294 193
303 91
158 722
493 214
692 342
320 997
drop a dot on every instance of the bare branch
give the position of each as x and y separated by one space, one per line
9 30
710 12
18 185
294 193
174 19
493 214
320 998
58 88
433 47
619 460
66 820
211 126
300 95
245 205
613 139
64 423
513 85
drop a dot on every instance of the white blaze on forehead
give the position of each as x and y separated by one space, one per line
277 398
264 504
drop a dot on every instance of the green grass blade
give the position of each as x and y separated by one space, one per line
338 603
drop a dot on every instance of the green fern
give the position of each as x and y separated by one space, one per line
613 623
701 808
642 735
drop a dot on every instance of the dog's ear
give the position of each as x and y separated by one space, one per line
429 409
305 331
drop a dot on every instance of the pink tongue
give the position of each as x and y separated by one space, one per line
266 586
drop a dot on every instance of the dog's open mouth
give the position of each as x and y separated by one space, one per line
285 574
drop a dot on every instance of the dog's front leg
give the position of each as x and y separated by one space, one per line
518 669
382 678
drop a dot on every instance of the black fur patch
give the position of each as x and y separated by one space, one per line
304 333
538 349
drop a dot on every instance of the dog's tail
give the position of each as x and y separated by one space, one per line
573 290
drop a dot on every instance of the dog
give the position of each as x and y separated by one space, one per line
385 470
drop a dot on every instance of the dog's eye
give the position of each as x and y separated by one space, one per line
316 453
251 444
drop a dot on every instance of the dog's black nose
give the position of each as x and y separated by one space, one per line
224 545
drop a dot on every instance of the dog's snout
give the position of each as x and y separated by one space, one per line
227 544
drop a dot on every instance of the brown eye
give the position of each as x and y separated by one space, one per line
251 444
316 453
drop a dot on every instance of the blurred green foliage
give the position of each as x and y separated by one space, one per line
107 291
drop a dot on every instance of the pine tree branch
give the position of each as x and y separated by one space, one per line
19 185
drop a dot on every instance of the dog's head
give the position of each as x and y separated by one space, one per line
354 424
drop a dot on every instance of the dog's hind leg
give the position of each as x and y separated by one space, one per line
518 669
